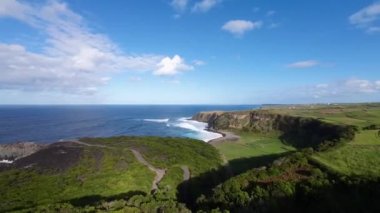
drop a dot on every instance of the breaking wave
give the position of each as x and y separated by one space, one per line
165 120
198 129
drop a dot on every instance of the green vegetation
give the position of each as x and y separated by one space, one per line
341 174
107 170
292 184
253 145
314 158
347 137
360 115
359 157
167 152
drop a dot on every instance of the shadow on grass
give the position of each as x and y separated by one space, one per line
189 191
95 199
90 200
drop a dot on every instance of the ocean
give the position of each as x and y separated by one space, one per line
45 124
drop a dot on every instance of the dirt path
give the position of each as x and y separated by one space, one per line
186 173
87 144
159 172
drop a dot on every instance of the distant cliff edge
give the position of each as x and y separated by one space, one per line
301 132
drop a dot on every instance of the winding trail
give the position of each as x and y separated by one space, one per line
186 173
87 144
159 172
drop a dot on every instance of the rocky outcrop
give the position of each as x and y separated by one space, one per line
18 150
300 132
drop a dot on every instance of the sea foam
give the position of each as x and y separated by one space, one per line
199 129
165 120
6 161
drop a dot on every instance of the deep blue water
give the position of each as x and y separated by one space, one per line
53 123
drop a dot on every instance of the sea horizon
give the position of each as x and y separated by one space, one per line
54 123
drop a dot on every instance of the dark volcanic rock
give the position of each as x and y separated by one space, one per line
56 157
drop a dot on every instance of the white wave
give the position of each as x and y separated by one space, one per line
6 161
165 120
199 128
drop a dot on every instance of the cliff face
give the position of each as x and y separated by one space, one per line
298 131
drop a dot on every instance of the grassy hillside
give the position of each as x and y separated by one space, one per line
313 158
360 115
357 157
103 169
351 157
292 184
342 177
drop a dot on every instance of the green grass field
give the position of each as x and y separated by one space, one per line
359 157
360 115
253 145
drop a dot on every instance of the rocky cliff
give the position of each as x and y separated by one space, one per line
298 131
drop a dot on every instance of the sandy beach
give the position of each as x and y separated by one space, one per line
227 136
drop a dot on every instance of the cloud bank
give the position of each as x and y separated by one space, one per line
348 87
73 59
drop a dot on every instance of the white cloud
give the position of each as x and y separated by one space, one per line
199 62
239 27
377 85
271 13
303 64
273 25
367 18
205 5
172 66
73 59
360 85
134 79
12 8
373 30
179 5
322 86
346 88
175 81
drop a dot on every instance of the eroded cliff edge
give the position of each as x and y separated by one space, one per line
300 132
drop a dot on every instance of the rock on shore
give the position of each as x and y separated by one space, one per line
18 150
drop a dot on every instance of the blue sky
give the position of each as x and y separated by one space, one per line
189 51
